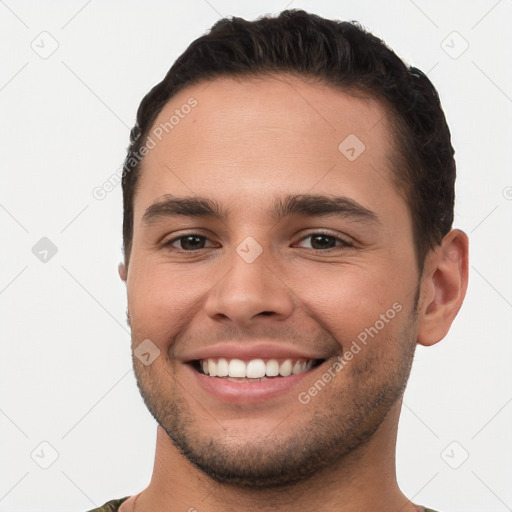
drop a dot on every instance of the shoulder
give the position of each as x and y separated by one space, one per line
110 506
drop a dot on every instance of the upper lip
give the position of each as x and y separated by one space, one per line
249 350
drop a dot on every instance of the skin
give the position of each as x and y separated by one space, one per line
244 144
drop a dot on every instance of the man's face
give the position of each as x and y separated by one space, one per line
272 286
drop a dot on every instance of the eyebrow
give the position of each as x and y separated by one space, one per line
303 204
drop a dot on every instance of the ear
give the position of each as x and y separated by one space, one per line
443 287
123 272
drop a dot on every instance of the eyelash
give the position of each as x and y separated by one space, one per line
343 243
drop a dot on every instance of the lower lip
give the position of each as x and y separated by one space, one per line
243 392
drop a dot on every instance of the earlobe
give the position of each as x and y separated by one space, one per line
122 271
443 287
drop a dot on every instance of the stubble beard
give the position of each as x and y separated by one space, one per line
295 450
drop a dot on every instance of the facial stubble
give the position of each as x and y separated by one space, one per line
346 416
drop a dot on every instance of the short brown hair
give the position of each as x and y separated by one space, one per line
341 54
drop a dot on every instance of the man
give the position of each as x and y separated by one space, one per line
288 201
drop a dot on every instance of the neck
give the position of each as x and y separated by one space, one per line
364 480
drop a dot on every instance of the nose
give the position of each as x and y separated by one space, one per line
249 291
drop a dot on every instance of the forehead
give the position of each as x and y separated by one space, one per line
252 137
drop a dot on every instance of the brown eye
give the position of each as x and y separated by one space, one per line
322 241
188 243
325 242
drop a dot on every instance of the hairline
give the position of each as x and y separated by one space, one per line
396 159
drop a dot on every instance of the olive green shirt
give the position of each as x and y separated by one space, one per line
113 506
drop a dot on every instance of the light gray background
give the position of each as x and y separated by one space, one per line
65 368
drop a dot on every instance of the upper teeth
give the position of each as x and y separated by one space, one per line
255 368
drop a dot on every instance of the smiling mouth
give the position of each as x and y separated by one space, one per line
253 370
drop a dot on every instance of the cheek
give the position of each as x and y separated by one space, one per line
161 301
348 298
